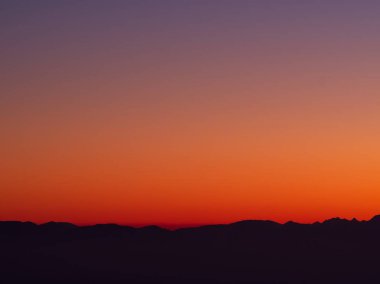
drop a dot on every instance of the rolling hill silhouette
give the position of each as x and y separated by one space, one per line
334 251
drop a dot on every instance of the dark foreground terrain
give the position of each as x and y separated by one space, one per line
336 251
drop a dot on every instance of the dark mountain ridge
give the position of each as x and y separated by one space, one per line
250 251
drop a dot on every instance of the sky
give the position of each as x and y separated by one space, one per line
189 112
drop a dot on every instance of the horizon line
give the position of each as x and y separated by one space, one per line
174 226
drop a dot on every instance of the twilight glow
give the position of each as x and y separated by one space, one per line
180 112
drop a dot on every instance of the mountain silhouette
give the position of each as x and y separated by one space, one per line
250 251
375 219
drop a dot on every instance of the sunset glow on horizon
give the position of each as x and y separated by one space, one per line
189 112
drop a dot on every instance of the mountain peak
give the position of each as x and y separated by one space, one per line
375 219
336 220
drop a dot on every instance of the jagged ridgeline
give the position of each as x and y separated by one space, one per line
334 251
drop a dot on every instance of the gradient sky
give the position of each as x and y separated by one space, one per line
183 112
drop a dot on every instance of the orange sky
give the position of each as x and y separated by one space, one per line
195 115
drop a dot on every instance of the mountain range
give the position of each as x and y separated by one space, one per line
250 251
